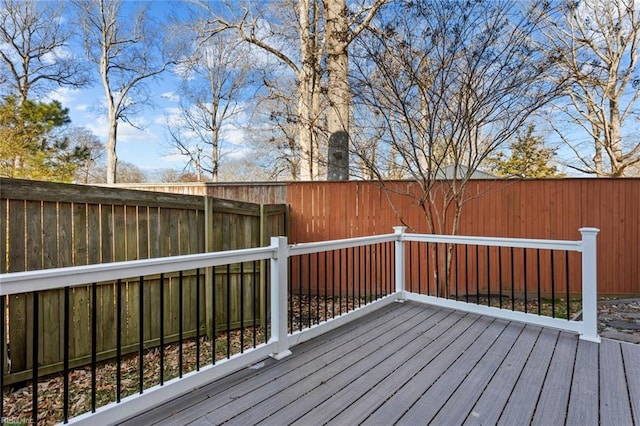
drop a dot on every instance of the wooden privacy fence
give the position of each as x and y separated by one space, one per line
49 225
538 209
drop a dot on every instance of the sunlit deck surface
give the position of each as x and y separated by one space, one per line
416 364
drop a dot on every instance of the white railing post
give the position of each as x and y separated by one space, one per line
589 285
399 261
279 298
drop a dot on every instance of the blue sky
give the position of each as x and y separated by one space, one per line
146 146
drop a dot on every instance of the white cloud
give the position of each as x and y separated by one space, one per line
171 96
64 95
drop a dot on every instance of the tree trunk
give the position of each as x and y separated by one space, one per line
308 81
338 90
112 158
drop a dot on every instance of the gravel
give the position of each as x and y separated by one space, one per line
619 319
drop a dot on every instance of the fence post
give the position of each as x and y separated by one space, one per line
589 285
399 261
209 272
279 285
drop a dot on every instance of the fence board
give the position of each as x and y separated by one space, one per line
547 209
53 225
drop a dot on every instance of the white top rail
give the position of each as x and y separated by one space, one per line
306 248
47 279
496 241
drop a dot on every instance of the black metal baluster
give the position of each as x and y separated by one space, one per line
267 282
67 340
197 322
455 266
94 343
359 276
488 276
387 251
118 339
477 276
317 256
446 271
161 329
141 335
513 284
500 274
436 269
346 275
466 272
34 357
553 285
180 318
241 307
371 277
228 295
326 278
410 268
353 276
214 334
254 294
300 292
538 274
290 293
526 308
566 267
309 302
428 270
340 280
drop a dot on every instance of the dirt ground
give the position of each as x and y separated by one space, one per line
619 319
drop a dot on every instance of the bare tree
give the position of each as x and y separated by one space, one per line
597 42
268 29
213 81
127 52
325 30
340 33
451 82
34 55
87 141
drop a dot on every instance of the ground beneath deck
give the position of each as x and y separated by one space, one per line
415 364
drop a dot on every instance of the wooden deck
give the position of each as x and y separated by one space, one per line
414 364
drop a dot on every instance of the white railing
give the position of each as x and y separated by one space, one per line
280 342
587 327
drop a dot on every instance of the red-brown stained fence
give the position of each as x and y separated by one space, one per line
546 209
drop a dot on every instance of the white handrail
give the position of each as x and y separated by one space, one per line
49 279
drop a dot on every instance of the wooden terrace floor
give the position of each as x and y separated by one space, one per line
414 364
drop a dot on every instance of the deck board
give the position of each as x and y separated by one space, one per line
615 408
349 360
322 349
584 397
403 398
500 386
410 363
459 405
368 399
554 398
522 401
429 403
323 404
631 356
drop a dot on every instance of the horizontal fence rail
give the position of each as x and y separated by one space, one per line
266 300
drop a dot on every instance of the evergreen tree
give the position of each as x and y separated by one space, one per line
31 144
528 158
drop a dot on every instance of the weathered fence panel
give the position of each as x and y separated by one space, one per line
48 225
